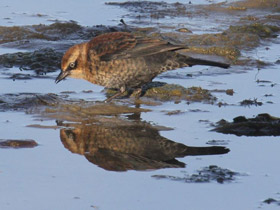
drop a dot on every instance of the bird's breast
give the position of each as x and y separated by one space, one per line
116 73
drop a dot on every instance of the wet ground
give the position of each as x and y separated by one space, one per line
200 137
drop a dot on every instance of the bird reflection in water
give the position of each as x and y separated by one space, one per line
120 145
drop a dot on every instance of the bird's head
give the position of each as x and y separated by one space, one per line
73 62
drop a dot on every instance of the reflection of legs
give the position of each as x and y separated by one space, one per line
136 115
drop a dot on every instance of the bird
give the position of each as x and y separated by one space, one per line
123 61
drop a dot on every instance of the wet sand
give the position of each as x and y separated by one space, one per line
200 137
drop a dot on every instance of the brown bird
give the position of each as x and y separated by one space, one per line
122 60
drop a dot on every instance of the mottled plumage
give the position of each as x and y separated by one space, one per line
121 60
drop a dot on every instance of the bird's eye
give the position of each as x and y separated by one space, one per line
72 65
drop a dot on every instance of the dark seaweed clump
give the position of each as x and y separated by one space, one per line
152 9
11 143
205 175
27 101
54 32
261 125
272 201
41 61
249 102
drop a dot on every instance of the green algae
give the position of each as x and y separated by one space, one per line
273 5
230 53
229 43
51 32
262 30
173 92
59 27
16 33
170 92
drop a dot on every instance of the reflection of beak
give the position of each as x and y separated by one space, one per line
61 76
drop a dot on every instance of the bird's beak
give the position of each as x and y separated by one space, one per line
61 76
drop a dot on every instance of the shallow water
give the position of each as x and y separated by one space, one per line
50 176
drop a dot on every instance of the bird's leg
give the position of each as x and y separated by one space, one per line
137 93
120 92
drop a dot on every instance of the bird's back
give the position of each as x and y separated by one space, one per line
122 59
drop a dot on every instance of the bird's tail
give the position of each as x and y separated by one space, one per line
166 61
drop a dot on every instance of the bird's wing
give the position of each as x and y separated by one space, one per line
121 45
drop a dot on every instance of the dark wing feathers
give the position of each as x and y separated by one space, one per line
106 45
147 46
121 45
